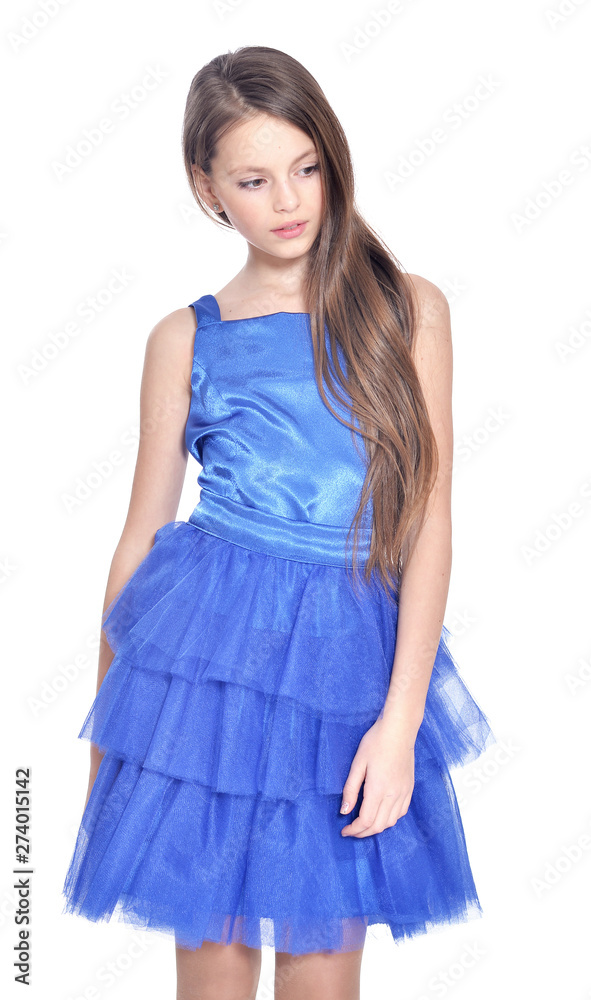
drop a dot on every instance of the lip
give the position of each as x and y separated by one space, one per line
294 222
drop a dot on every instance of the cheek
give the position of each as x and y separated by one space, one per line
252 220
251 211
318 194
246 210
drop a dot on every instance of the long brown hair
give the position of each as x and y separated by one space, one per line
354 284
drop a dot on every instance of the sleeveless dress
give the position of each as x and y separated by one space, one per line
246 671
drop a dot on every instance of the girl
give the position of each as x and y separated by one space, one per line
277 709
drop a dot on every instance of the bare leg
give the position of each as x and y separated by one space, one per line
318 976
218 972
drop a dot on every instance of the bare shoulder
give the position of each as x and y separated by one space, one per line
175 328
170 344
432 303
432 343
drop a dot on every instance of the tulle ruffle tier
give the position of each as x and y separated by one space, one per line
241 686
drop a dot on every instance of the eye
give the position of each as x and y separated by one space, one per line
247 184
313 167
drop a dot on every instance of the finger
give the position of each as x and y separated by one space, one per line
352 786
366 815
386 814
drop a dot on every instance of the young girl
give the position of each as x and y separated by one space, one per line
272 738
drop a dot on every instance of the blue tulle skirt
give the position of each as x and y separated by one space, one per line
241 686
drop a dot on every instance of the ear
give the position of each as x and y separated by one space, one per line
202 183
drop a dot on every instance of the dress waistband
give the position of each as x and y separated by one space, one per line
303 541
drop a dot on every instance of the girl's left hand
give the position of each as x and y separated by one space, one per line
385 759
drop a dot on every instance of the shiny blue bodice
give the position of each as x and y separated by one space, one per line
280 474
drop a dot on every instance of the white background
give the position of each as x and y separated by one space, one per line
519 596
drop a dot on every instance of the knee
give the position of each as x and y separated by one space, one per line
218 972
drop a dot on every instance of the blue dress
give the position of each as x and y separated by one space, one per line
246 671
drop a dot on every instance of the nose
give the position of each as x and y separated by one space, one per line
286 197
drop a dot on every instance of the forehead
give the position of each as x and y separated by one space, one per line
261 141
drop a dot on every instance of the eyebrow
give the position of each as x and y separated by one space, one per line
259 170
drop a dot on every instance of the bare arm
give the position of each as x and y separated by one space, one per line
426 572
385 756
165 397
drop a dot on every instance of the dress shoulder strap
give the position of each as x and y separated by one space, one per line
206 310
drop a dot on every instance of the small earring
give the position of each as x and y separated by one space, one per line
216 207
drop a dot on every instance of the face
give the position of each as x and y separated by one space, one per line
265 175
